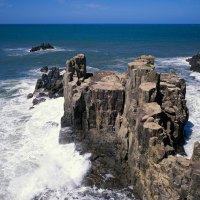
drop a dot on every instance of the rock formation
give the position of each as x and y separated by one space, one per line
49 85
80 61
195 63
133 125
43 46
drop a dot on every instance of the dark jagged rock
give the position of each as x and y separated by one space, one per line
43 46
133 126
44 69
195 63
30 95
38 100
49 85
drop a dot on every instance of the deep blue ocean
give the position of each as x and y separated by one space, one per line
107 47
32 163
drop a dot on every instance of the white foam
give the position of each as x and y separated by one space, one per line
17 51
196 75
172 61
193 126
32 161
92 69
26 51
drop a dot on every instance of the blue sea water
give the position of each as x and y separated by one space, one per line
31 160
106 46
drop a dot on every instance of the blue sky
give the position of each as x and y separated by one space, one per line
100 11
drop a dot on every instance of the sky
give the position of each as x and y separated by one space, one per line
99 11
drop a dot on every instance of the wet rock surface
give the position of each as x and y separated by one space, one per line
133 124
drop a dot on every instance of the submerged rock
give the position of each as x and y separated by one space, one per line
43 46
30 95
133 124
195 63
44 69
38 100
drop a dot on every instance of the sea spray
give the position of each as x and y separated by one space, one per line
34 161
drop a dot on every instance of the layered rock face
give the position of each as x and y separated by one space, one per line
195 63
133 125
80 61
91 110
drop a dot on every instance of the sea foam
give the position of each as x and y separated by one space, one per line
32 160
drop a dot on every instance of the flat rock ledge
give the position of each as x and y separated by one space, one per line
133 124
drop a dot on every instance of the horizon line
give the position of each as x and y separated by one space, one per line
99 23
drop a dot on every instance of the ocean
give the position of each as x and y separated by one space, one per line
32 163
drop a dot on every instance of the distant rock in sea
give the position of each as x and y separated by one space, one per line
43 46
195 62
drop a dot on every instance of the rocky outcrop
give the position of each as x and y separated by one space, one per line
80 61
49 85
151 132
133 125
195 63
91 109
43 46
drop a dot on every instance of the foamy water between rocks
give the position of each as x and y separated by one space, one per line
33 161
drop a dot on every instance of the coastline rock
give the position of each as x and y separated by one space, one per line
133 124
44 69
43 46
49 85
91 109
194 62
80 61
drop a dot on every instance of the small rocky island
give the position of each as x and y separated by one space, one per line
42 46
133 123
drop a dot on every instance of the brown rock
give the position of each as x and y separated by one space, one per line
134 124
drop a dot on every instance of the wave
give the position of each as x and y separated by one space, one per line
32 161
33 165
26 51
16 51
92 69
172 61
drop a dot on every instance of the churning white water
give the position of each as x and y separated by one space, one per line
32 161
33 165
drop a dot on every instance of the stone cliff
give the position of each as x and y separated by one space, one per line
133 123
